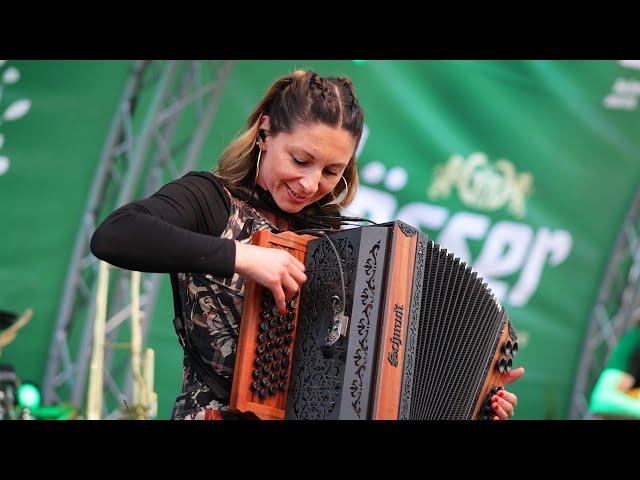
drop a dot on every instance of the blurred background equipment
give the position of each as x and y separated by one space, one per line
142 405
156 135
8 391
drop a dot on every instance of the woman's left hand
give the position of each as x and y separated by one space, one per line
504 402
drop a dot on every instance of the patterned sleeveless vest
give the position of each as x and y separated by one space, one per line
213 309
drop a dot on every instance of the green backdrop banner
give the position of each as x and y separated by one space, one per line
525 169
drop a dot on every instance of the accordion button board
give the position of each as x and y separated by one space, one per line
265 340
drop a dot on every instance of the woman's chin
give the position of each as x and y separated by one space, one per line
289 206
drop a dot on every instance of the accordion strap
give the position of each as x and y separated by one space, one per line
219 386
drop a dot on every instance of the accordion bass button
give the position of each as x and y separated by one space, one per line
502 365
288 339
507 348
272 390
280 330
285 362
292 304
258 362
255 386
263 394
282 386
508 366
274 378
284 374
290 327
286 351
264 327
514 349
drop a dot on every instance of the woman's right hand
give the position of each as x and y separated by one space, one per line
275 269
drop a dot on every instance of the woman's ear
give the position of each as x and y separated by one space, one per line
264 123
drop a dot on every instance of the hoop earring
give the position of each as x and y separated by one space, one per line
335 201
255 181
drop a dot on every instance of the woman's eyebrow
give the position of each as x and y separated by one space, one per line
306 152
310 155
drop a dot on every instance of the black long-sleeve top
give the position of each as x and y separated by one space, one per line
177 229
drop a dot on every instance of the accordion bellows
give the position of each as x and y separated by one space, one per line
398 329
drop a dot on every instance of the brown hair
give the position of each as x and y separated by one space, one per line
300 98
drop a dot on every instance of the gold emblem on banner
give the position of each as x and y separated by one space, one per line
483 185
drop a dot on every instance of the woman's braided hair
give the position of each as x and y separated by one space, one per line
300 98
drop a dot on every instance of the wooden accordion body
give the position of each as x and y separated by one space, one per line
398 329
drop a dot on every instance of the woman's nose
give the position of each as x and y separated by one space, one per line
309 185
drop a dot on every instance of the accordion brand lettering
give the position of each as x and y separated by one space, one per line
397 330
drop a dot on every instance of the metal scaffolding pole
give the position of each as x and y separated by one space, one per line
141 153
616 310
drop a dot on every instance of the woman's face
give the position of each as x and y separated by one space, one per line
302 166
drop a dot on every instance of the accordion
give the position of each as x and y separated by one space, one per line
388 325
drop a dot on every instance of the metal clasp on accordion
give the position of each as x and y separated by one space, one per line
340 324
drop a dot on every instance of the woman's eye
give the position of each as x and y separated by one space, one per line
299 162
331 173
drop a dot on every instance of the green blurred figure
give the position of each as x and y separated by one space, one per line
616 394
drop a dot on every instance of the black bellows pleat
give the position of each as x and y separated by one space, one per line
459 327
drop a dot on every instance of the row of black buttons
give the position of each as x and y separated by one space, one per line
273 352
